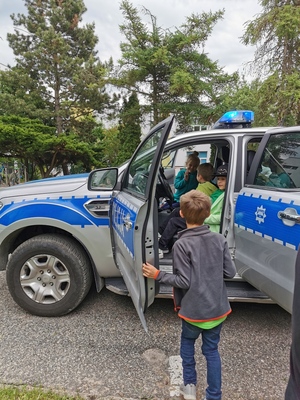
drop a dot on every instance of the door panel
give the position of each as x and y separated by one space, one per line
265 244
134 214
267 218
128 216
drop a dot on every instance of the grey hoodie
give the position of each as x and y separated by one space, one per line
201 261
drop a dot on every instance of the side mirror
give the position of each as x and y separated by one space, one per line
103 179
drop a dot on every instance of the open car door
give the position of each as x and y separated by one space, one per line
134 217
267 217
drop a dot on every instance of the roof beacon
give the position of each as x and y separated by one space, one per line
235 119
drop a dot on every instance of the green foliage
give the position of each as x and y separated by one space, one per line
49 99
33 142
110 145
129 130
57 78
276 33
170 69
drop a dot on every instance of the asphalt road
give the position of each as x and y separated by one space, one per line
100 351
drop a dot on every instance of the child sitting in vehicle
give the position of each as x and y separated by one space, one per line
186 179
178 223
205 174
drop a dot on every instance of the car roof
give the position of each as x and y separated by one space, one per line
215 133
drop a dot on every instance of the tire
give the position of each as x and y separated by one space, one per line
49 275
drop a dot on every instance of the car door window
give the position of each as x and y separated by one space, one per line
280 162
168 159
138 174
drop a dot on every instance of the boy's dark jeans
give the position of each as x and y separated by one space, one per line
210 341
174 213
170 227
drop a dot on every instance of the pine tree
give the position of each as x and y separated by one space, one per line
129 127
276 34
61 80
169 68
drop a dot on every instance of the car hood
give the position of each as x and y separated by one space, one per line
60 184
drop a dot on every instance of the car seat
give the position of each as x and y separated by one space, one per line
225 157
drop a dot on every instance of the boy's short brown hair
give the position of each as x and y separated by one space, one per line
195 207
206 170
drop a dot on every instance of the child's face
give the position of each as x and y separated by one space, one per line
221 182
190 166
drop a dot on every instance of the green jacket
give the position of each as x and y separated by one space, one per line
214 219
207 188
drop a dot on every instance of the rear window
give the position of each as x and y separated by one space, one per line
280 162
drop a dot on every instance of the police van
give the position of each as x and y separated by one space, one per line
58 235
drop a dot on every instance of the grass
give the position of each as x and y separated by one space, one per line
25 393
28 393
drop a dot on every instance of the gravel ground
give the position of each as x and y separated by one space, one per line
100 351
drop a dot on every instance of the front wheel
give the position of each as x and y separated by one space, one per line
49 275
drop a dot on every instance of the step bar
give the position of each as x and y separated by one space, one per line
237 289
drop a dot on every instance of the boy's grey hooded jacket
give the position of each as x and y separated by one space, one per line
201 261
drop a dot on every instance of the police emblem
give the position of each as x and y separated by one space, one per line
260 214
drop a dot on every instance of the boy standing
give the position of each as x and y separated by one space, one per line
201 261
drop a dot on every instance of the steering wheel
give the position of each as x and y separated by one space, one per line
139 182
163 187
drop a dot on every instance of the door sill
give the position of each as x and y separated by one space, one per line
238 291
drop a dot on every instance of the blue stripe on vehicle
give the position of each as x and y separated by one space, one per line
122 210
69 210
259 215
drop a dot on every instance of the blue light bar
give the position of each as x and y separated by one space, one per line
240 116
235 119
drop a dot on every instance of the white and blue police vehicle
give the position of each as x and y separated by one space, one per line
58 235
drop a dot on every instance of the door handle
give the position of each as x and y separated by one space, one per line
127 223
289 216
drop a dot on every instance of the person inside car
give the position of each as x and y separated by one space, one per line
177 223
205 174
186 179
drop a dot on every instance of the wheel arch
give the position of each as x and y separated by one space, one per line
31 228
